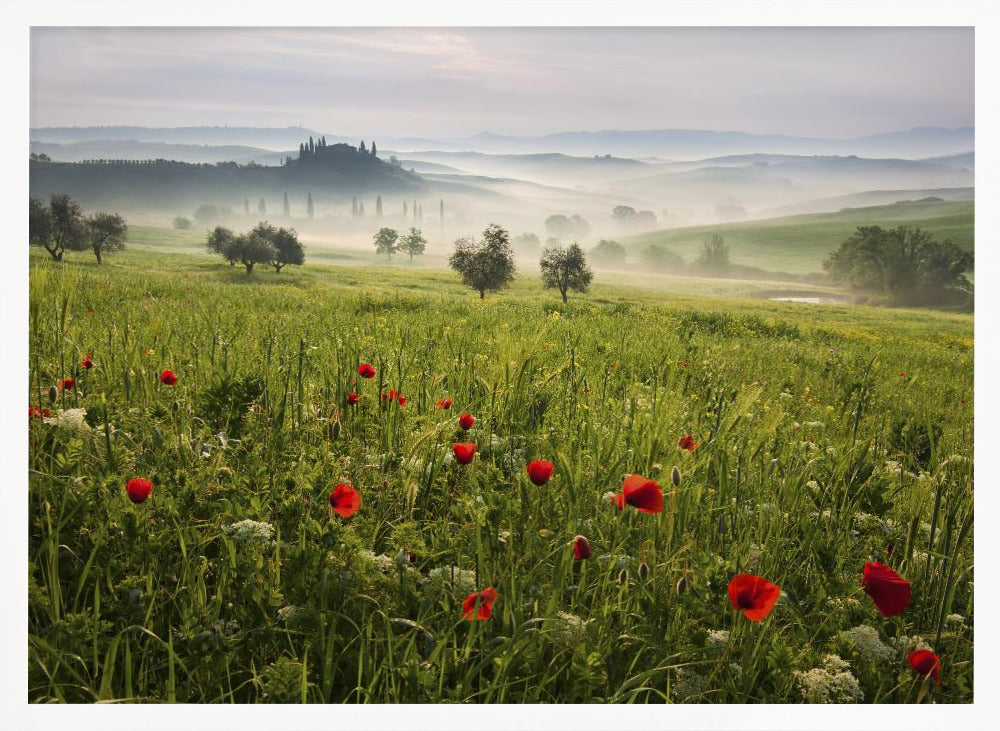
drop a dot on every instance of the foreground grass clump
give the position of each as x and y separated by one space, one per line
814 440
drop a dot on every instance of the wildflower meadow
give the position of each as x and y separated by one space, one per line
345 485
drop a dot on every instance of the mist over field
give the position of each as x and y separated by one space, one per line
473 188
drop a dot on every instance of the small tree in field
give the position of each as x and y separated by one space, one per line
220 241
486 266
250 249
385 242
56 227
413 244
566 269
715 254
288 248
107 233
608 252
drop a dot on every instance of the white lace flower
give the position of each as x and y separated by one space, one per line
868 643
833 682
70 419
250 532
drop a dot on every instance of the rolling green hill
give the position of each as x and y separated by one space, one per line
800 244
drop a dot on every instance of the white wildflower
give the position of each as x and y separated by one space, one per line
831 683
288 613
784 396
868 643
250 532
385 564
955 619
717 638
568 629
814 424
736 669
463 580
905 645
70 419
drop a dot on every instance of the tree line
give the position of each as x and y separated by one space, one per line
60 226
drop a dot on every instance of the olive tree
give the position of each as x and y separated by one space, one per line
487 265
57 227
107 233
566 269
413 244
385 242
220 242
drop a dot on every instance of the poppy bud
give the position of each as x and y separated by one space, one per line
335 429
675 476
623 576
175 407
581 548
682 585
643 571
53 394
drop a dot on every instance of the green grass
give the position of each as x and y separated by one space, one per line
800 244
797 478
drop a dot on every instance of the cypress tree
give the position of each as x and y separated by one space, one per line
287 210
378 201
373 148
442 210
363 148
309 205
246 205
261 208
312 147
404 208
361 210
354 206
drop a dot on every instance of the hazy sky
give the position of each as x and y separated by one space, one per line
459 81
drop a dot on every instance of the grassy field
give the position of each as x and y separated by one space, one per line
800 244
828 436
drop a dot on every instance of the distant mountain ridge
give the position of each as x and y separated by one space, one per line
684 143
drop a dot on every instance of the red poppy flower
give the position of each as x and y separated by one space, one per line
540 471
464 451
902 374
479 605
466 421
34 413
444 403
753 595
642 494
618 501
168 378
352 398
581 548
401 400
926 663
389 396
90 312
889 590
366 370
138 489
345 500
687 442
67 384
87 362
